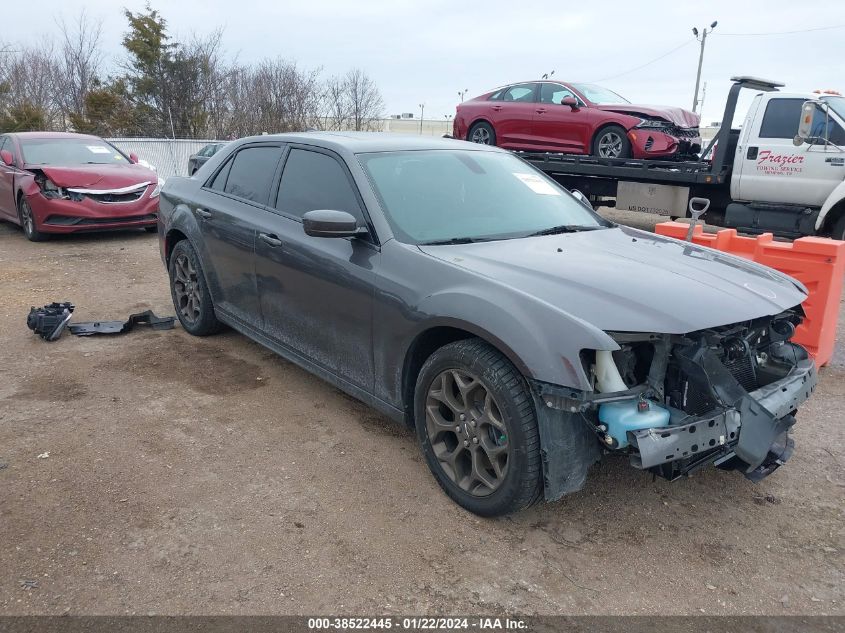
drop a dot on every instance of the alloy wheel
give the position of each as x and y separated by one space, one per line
26 218
610 145
467 432
481 135
187 288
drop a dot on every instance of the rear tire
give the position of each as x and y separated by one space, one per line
612 142
189 292
476 425
27 221
482 133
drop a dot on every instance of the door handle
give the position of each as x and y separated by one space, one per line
270 240
204 214
540 110
497 108
752 153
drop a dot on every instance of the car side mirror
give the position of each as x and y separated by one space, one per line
572 102
133 157
331 223
6 157
580 197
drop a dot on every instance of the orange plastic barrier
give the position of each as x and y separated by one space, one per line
817 262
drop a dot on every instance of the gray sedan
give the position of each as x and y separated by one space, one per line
456 289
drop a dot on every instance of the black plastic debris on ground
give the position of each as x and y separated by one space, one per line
49 321
122 327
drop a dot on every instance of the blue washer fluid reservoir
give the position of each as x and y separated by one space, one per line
631 415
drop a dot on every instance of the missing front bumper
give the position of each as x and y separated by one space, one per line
752 436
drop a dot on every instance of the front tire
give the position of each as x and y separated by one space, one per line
28 222
482 133
476 425
189 292
612 142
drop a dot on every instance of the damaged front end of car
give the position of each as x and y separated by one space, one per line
674 403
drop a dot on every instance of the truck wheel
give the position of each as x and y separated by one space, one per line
482 133
612 142
838 232
475 422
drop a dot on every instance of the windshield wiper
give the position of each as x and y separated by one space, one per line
452 240
564 228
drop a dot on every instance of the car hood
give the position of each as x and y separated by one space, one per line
96 176
678 116
623 279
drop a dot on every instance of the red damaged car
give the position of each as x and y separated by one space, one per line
53 182
576 118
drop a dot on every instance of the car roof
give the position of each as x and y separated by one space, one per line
55 135
363 142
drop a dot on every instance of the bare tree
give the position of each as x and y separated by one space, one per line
27 77
78 65
273 96
363 100
335 105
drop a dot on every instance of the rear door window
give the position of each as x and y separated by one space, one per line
313 180
519 92
219 181
251 173
781 118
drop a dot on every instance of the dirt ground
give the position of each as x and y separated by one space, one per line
160 473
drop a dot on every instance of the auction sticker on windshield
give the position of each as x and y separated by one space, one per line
99 149
537 184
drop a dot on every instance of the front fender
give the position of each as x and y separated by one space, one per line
836 196
543 342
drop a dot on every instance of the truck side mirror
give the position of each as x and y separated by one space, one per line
808 110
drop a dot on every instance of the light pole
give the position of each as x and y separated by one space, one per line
463 93
448 118
548 75
702 39
422 115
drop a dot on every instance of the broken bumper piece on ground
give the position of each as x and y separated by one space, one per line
147 317
51 320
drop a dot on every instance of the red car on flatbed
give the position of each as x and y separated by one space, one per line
576 118
53 182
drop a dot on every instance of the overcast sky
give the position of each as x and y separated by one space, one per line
426 52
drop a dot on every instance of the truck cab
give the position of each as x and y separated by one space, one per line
789 166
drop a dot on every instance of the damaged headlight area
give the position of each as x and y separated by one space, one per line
674 403
654 124
156 192
53 192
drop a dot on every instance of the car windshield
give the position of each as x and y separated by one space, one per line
598 95
837 104
463 195
70 151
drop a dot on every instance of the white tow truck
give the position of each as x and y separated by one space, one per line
782 172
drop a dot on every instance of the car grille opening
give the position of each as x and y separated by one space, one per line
112 198
69 220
